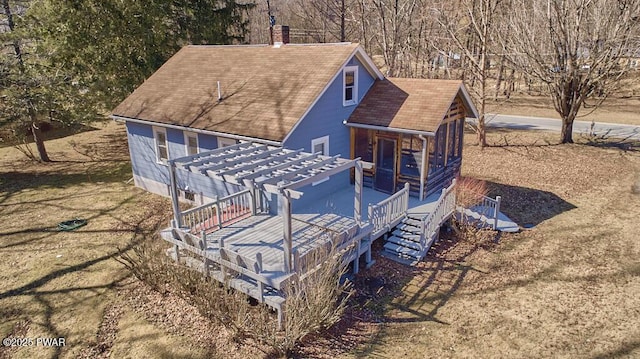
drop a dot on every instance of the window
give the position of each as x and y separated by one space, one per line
162 148
350 85
189 196
191 143
226 142
320 145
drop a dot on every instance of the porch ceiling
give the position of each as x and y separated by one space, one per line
273 169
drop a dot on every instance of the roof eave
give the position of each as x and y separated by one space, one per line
119 118
389 129
468 102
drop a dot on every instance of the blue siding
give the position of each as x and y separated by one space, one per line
326 119
144 164
207 142
143 153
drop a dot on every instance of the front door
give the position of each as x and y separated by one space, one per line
385 179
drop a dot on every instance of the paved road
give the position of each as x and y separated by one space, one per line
613 130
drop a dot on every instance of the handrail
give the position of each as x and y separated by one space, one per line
387 211
490 209
219 212
445 205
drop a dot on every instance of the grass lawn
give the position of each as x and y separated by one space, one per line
613 110
568 287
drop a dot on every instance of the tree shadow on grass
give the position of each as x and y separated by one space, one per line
140 227
50 131
438 276
528 206
12 182
403 294
627 144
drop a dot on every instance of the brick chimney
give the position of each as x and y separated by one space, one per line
280 35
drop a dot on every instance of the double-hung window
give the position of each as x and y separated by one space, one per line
162 145
320 146
191 143
350 85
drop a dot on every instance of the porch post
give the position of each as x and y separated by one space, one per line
254 201
423 165
357 206
287 243
174 194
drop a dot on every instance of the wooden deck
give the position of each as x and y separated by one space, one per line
263 234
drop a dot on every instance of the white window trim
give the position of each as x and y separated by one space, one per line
355 85
155 130
225 141
188 134
325 141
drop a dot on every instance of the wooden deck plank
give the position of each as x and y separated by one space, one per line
264 234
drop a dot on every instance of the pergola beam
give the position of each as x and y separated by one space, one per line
256 174
286 176
339 167
200 156
225 153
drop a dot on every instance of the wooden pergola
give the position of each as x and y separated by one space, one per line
271 169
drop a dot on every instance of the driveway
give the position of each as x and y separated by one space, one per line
614 130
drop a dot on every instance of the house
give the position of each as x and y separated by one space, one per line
255 136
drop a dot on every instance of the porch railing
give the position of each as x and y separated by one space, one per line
488 209
216 214
445 206
388 213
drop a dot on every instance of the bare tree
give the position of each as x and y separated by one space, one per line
470 26
574 47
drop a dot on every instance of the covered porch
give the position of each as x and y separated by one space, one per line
412 131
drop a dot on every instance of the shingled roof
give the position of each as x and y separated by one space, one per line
265 90
410 104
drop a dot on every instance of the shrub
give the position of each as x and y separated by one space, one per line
314 302
470 191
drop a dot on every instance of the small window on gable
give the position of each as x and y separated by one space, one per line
191 143
226 142
162 146
320 146
350 85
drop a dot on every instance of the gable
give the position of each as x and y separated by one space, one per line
410 104
265 90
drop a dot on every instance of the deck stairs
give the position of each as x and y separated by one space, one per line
410 238
405 245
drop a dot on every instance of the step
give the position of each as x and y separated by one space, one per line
403 250
408 235
412 222
402 260
408 228
405 242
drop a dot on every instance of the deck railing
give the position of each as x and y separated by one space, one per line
445 206
488 208
386 213
221 211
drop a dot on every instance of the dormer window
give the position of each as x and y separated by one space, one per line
350 85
